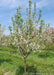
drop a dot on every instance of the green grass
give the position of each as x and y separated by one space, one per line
35 61
43 64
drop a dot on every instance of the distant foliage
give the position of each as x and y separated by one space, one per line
50 47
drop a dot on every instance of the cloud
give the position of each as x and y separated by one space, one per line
16 3
49 4
42 3
13 3
45 3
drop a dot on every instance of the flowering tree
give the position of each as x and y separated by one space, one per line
2 29
25 36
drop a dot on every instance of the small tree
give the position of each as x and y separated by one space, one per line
24 35
2 29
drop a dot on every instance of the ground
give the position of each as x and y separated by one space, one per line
11 62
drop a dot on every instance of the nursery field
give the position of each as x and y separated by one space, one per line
26 38
13 64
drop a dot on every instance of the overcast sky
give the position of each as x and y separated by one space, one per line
8 10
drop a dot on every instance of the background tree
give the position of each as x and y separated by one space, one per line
2 35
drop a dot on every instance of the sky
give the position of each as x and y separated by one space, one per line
8 10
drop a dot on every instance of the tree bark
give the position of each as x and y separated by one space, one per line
24 65
45 53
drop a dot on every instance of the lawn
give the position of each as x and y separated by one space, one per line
36 62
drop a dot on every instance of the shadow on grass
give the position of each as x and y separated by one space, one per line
29 69
48 54
4 60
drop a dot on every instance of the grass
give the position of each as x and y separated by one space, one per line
43 65
13 63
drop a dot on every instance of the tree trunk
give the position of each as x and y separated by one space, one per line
45 48
24 65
